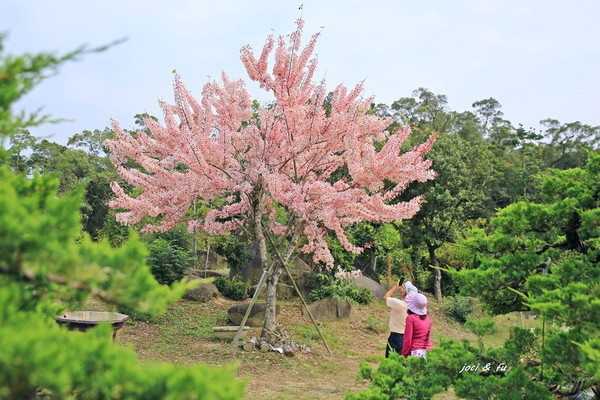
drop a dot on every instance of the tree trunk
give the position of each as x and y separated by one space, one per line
273 279
437 274
271 299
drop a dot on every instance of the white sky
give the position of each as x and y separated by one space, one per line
539 59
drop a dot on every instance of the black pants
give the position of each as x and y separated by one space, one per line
394 343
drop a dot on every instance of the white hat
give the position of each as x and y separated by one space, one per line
409 287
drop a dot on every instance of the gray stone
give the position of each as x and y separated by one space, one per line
253 271
215 261
201 274
306 281
255 319
328 309
203 293
375 287
284 292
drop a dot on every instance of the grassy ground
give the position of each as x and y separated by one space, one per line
184 335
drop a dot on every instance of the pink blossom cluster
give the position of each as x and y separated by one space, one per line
241 159
342 274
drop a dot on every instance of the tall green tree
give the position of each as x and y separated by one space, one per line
456 196
97 194
423 110
545 257
568 143
496 129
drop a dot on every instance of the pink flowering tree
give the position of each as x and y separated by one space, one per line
224 149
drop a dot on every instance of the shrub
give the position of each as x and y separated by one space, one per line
167 261
234 289
457 307
343 289
481 327
234 249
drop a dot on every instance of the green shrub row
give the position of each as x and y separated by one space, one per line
234 289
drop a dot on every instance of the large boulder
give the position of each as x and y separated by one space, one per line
253 271
284 291
201 274
215 261
367 266
203 293
328 309
256 317
375 287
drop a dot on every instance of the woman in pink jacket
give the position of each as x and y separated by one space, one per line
417 333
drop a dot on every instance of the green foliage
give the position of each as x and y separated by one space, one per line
234 249
399 377
591 359
43 271
47 265
342 257
343 289
167 261
458 194
457 307
37 353
543 257
364 296
414 378
481 327
178 236
112 231
234 289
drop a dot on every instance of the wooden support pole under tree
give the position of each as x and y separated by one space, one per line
298 292
241 328
206 263
254 297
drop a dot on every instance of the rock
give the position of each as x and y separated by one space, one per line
253 271
375 287
203 293
284 292
256 317
328 309
305 280
215 261
200 274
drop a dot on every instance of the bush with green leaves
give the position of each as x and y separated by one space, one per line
234 249
446 366
343 289
457 307
43 272
234 289
542 256
167 261
481 327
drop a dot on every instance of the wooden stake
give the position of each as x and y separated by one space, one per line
299 294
